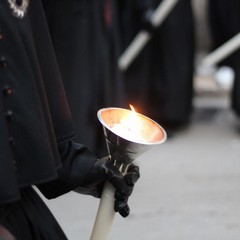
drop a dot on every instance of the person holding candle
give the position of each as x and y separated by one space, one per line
36 141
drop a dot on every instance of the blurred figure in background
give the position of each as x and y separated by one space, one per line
86 42
160 81
224 20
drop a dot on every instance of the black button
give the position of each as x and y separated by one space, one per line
12 141
3 62
9 115
7 90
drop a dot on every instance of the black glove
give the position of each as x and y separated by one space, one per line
103 170
83 172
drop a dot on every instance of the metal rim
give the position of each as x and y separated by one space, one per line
164 138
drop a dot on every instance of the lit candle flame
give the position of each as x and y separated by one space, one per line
130 127
132 108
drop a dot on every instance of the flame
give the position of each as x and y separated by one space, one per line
132 108
130 126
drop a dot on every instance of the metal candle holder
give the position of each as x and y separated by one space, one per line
123 149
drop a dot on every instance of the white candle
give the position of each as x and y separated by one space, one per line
105 214
132 127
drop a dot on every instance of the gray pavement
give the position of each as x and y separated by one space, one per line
189 187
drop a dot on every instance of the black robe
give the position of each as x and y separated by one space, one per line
86 42
159 82
224 20
35 119
34 114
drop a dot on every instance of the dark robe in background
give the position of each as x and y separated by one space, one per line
86 42
224 19
159 83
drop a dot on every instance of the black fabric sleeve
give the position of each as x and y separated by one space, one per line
77 160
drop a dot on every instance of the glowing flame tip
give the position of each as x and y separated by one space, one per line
132 108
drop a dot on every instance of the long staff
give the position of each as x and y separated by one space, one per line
142 38
222 52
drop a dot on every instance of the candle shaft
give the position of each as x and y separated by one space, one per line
105 215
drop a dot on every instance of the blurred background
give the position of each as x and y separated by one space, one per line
190 185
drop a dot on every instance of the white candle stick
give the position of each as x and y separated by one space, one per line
123 152
141 39
222 52
105 214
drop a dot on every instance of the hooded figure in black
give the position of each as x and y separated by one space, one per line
159 81
86 42
36 140
224 20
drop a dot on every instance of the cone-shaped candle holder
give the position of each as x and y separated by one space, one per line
128 135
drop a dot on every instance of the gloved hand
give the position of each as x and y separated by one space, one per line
82 172
103 170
